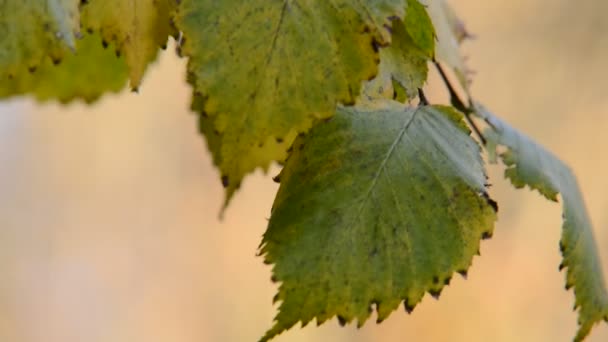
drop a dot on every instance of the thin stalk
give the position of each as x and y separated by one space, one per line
459 104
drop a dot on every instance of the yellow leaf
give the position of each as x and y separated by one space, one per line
137 28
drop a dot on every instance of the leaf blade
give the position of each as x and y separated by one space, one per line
86 74
449 32
289 62
404 63
530 164
33 31
138 28
374 210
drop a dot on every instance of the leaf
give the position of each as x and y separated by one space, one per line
268 69
214 144
375 208
419 27
32 31
87 74
404 61
450 32
530 164
137 28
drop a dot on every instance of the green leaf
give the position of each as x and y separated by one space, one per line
404 62
530 164
375 208
136 27
33 31
420 28
87 73
268 69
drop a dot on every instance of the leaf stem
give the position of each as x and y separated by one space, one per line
423 100
459 104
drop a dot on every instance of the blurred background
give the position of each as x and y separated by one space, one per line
109 213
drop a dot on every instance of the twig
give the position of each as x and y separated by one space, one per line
459 104
423 100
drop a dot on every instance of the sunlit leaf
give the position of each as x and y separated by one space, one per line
267 69
137 28
257 153
34 31
87 73
375 208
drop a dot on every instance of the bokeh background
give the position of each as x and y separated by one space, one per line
109 214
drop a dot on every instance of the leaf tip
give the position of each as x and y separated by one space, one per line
228 197
491 202
409 307
435 293
342 320
225 181
463 273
